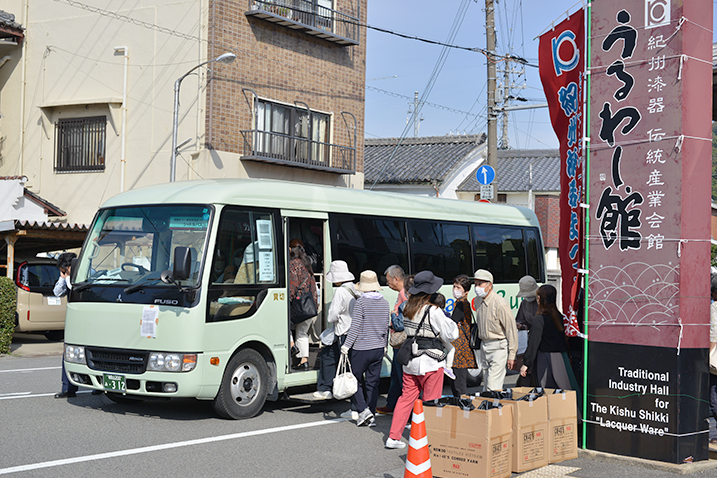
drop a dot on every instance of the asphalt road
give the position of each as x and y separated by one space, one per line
92 436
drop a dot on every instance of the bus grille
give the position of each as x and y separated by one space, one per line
116 360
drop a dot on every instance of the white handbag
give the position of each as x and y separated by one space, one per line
713 359
345 384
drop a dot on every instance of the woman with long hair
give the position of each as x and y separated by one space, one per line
546 354
424 372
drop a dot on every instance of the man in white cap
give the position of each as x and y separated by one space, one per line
497 331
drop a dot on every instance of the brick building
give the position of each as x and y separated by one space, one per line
87 94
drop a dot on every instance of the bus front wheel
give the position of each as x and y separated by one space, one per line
243 390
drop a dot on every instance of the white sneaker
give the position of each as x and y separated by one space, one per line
449 373
350 414
395 444
323 395
364 417
372 422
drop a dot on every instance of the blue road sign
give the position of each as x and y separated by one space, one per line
485 174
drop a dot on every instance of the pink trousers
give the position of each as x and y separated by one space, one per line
432 386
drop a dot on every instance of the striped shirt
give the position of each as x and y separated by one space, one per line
369 325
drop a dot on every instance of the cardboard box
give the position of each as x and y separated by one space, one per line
562 425
530 431
469 444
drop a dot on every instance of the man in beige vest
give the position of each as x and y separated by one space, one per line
496 329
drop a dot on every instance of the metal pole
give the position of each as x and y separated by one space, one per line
415 116
175 125
506 92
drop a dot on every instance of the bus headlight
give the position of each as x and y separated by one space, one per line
171 362
75 354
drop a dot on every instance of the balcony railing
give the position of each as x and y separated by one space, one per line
332 25
288 150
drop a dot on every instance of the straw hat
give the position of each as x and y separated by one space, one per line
528 287
368 282
484 275
339 272
425 282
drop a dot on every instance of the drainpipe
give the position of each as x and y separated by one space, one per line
23 81
123 138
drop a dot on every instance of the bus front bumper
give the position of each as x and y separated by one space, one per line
147 384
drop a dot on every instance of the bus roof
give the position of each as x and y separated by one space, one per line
309 197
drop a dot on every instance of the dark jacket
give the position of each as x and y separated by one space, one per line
543 337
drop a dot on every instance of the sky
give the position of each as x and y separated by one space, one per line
398 67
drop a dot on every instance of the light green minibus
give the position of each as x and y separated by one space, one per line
181 289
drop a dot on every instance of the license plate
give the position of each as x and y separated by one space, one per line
114 383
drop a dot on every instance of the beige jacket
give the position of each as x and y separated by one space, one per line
496 322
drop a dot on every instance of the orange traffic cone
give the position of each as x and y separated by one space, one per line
418 461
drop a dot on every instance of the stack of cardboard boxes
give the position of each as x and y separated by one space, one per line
522 435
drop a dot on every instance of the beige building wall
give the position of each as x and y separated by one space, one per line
68 67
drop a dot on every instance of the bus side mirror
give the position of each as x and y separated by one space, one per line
182 263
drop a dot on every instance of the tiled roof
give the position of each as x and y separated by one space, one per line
417 160
9 28
51 209
513 171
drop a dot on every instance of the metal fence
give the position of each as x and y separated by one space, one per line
311 14
294 151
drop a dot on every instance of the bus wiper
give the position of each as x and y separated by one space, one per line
141 285
83 286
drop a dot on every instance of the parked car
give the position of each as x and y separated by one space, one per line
38 310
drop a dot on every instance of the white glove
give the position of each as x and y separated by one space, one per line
344 350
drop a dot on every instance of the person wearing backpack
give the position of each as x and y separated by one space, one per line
424 371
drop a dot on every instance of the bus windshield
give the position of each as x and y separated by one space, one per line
129 245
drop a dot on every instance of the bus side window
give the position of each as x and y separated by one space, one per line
246 244
366 242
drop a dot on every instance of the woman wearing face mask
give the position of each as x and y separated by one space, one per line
462 316
524 320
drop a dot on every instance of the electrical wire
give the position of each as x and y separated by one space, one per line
458 20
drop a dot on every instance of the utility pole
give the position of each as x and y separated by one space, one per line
492 118
416 119
506 93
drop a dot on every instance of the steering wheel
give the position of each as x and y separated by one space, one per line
136 266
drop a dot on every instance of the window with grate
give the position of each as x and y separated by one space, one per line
80 144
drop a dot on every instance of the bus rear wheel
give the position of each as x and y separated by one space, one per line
243 390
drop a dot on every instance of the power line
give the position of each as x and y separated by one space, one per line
433 105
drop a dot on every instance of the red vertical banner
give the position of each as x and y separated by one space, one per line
562 60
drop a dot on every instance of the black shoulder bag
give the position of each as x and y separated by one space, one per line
474 339
405 353
303 306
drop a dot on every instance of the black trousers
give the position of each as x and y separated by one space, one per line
459 386
328 360
366 362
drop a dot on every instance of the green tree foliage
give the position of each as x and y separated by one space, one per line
8 303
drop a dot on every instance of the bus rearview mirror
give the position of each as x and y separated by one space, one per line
182 263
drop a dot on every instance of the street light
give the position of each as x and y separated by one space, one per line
223 58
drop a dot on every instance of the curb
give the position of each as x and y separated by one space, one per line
682 469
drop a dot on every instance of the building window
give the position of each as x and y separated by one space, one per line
502 198
292 133
80 144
